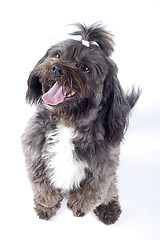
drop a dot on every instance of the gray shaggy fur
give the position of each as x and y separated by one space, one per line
96 113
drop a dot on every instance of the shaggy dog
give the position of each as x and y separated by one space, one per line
72 143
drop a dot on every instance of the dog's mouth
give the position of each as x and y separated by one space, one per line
58 94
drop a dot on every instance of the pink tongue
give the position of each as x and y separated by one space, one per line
55 95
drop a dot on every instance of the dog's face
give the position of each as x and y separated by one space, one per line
75 79
70 73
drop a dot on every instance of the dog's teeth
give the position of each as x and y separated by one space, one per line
70 94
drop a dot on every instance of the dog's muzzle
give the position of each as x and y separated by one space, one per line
62 89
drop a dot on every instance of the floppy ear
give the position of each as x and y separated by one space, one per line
115 109
34 91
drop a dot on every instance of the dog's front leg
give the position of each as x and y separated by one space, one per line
85 198
47 199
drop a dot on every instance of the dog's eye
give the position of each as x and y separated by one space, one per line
57 55
85 69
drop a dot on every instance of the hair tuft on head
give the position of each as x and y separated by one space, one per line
97 33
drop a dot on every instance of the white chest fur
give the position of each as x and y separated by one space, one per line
66 170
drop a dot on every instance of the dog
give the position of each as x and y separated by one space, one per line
72 142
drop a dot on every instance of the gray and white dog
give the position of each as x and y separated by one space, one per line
72 143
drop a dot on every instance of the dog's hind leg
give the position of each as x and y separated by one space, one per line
47 200
108 214
109 211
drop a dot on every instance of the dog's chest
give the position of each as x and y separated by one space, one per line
66 170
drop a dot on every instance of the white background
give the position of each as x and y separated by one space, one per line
27 29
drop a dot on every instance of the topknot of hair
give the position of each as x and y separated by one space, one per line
97 33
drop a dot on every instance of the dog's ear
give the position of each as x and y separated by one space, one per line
34 90
115 109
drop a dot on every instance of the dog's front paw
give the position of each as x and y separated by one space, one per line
76 205
46 213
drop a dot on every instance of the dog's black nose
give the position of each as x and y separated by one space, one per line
58 71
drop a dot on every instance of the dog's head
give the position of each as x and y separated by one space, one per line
76 81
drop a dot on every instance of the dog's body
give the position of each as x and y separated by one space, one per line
72 143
